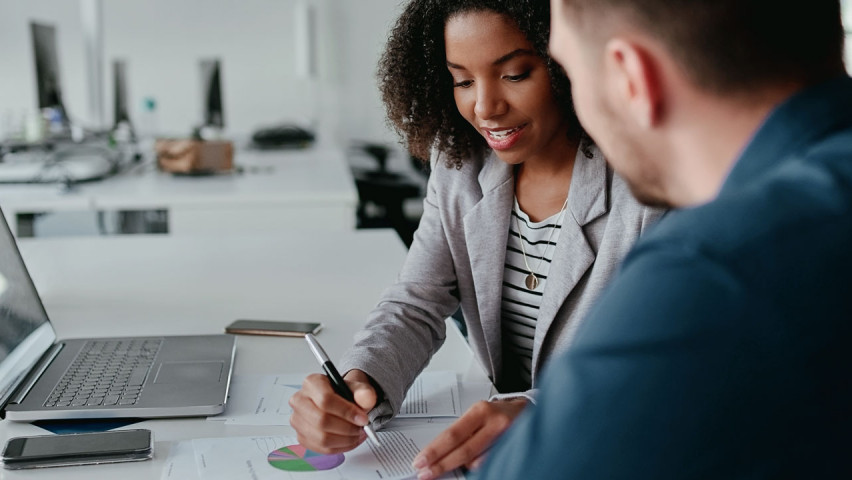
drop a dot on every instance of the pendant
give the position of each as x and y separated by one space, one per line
531 281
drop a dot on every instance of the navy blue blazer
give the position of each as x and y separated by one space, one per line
723 348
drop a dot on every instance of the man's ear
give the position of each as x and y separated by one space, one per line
636 81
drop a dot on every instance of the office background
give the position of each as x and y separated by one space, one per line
162 41
260 45
305 62
308 62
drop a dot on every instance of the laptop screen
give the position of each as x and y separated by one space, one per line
21 314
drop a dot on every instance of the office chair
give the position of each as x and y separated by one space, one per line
389 190
382 193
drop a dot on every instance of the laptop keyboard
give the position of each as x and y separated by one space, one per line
106 373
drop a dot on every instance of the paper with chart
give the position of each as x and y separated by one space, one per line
433 394
261 399
280 457
264 399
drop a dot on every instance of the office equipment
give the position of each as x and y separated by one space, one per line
41 451
48 81
104 377
48 156
177 289
71 166
123 131
336 379
121 112
282 136
213 115
274 328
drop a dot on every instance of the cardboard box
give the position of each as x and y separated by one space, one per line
194 156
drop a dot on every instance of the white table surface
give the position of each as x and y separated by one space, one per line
311 187
142 285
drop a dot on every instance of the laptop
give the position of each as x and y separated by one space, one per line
146 377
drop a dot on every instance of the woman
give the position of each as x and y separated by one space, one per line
523 223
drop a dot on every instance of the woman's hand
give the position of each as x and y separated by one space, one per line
324 421
467 439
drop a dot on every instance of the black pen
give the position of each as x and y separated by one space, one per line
336 380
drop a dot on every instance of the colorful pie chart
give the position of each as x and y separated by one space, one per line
296 458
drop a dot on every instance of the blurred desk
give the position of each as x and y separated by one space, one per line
141 285
274 191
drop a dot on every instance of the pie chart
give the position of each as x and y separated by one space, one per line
296 458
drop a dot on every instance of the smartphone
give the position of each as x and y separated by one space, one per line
277 328
78 449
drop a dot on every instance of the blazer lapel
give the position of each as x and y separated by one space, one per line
486 228
587 200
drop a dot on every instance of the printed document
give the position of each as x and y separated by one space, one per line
433 394
264 399
260 399
280 457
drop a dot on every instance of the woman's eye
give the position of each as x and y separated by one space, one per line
463 84
517 78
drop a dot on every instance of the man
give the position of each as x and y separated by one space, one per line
723 347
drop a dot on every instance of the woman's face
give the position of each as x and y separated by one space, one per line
502 87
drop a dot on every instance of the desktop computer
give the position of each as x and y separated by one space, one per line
56 158
48 84
212 115
122 126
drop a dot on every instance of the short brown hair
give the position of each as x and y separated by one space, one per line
735 45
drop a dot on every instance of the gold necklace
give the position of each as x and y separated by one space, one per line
532 281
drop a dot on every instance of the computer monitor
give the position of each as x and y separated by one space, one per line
119 79
121 110
211 87
48 84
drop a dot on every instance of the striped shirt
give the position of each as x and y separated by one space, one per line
519 309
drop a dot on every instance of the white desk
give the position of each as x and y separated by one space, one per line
277 191
141 285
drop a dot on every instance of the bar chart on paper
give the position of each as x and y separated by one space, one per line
433 394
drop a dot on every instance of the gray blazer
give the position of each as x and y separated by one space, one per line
458 255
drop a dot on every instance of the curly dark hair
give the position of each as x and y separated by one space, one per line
416 86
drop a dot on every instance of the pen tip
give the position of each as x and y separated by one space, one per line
372 435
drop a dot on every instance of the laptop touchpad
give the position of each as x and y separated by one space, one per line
190 372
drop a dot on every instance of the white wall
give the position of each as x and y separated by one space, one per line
363 26
162 41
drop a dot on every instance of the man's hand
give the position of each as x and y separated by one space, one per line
324 421
466 441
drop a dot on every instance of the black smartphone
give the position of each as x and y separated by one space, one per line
269 327
78 449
